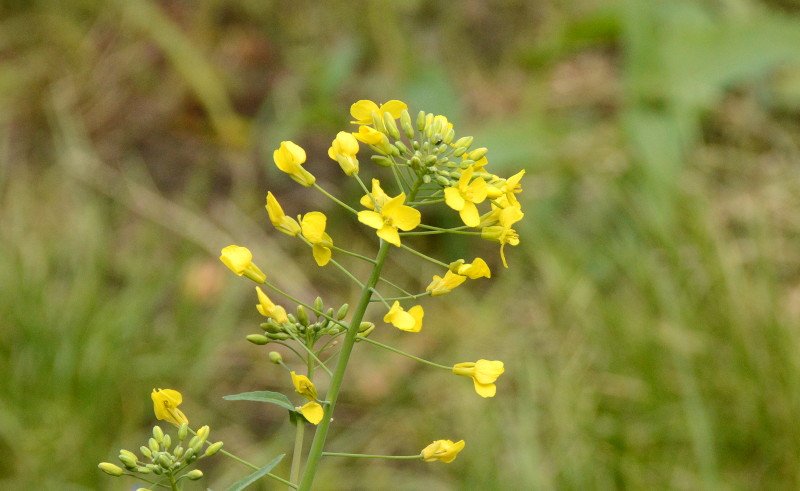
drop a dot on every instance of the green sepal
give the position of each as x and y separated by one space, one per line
263 396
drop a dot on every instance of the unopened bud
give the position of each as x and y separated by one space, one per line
194 474
278 335
402 147
213 448
275 357
391 126
128 458
318 305
463 142
365 326
342 313
143 470
164 461
158 433
381 160
449 135
459 151
270 326
377 122
110 469
153 444
478 153
167 442
146 452
302 315
183 431
259 339
405 123
178 451
366 332
203 432
421 121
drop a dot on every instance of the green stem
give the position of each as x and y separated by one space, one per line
255 467
365 456
298 451
315 453
335 199
403 353
423 256
309 351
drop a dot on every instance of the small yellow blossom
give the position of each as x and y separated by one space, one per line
393 215
376 196
312 411
465 195
444 450
304 386
283 223
268 309
343 150
508 188
440 286
503 233
165 405
371 136
289 158
240 261
410 321
313 226
483 373
474 270
363 109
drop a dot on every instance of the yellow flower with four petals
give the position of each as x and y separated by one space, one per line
483 373
442 450
165 405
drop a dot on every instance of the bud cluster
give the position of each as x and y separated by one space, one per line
327 322
160 457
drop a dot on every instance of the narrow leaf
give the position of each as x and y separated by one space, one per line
263 396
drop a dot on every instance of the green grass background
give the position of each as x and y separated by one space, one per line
650 318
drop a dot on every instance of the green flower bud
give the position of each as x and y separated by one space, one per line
366 332
189 455
143 470
302 315
478 153
158 433
164 461
183 431
213 448
146 452
429 160
153 444
402 147
443 181
342 313
275 357
458 152
329 312
391 126
270 326
421 121
426 179
195 444
167 442
278 335
415 162
463 142
128 459
377 122
110 469
178 451
415 145
292 318
142 489
194 474
466 163
448 137
365 325
318 305
258 339
382 161
203 432
405 123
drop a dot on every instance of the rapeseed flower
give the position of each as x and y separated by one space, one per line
165 405
268 309
304 386
289 158
440 286
443 450
410 321
483 373
313 226
240 261
465 195
283 223
393 215
474 270
363 109
343 150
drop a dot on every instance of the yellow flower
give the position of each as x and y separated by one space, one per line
410 321
304 386
240 261
269 309
343 150
376 196
483 373
312 411
165 405
444 450
440 286
464 195
371 136
503 233
289 158
474 270
283 223
313 226
393 215
509 188
363 109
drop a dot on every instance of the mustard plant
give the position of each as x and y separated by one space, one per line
415 164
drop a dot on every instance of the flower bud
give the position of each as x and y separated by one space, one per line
213 448
365 326
302 315
278 335
270 326
449 135
153 444
405 123
189 456
183 431
167 442
178 451
459 151
194 474
381 160
342 312
421 121
110 469
158 434
146 452
318 305
478 153
463 142
366 332
143 470
164 461
203 432
258 339
128 458
391 126
275 357
377 122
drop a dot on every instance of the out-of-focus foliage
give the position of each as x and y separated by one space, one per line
651 312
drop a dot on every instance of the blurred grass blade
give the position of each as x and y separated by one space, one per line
250 479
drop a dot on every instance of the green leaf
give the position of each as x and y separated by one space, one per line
263 396
250 479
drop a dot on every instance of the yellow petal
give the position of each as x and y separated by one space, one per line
313 412
322 255
371 219
362 111
303 386
453 198
390 235
393 107
406 218
469 214
313 226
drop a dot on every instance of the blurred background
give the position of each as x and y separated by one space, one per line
648 321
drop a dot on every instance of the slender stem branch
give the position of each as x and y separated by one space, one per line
309 351
407 297
297 455
315 453
403 353
423 256
353 254
335 199
366 456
